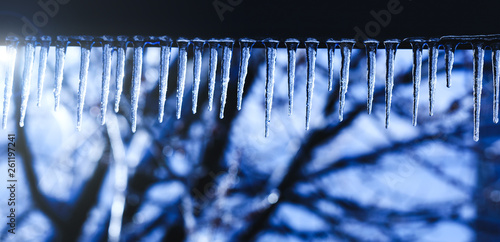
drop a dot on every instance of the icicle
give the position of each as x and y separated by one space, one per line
44 52
291 46
136 78
346 49
495 56
449 57
227 54
181 73
213 44
29 61
371 53
311 49
86 43
198 45
106 74
271 48
390 48
478 84
165 43
121 46
12 43
61 46
417 45
433 57
246 49
331 44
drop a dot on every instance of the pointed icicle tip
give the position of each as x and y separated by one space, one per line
271 48
198 45
212 70
346 46
390 47
291 46
371 46
246 51
417 46
227 55
311 51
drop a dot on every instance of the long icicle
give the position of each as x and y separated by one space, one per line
86 43
212 72
61 46
495 52
390 48
291 46
478 49
246 51
227 54
417 46
271 48
311 49
198 45
182 44
371 53
42 67
12 43
106 74
121 48
346 49
449 57
331 44
29 62
166 46
433 57
139 42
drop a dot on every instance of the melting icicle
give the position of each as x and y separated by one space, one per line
136 78
106 74
390 48
291 46
181 73
165 43
198 45
495 52
417 45
29 61
61 46
227 54
86 43
449 57
478 84
271 48
371 53
346 49
246 49
44 52
433 57
331 44
121 46
311 49
213 44
12 43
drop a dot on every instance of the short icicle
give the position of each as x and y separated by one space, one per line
166 47
42 67
182 45
227 54
29 62
198 45
86 43
291 46
121 50
311 52
346 49
433 58
417 46
212 71
139 42
271 46
390 48
246 50
61 46
449 58
478 49
371 54
495 52
331 44
106 74
12 43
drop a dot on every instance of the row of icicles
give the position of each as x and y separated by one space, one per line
119 44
